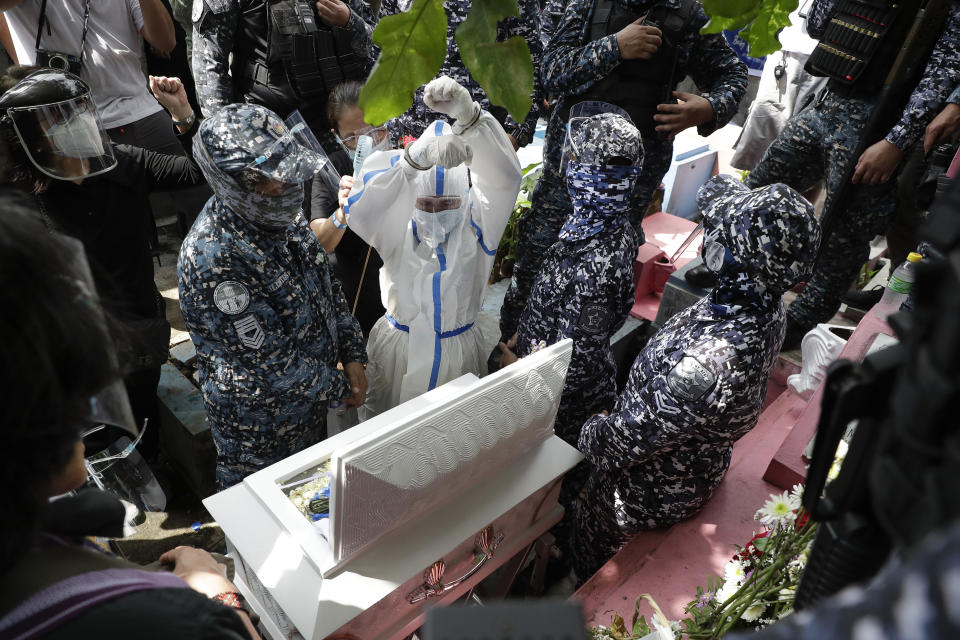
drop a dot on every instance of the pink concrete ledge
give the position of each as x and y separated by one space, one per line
788 466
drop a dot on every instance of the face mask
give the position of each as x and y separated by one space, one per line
78 137
433 229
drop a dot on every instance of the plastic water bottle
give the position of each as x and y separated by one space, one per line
898 286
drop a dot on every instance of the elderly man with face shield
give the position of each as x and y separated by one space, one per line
585 287
699 384
436 224
269 322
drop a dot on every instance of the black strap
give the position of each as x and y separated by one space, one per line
83 34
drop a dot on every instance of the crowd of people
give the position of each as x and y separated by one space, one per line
343 264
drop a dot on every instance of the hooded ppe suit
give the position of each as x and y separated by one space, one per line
436 266
268 320
699 384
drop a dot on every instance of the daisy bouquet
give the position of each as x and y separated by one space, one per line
760 581
757 587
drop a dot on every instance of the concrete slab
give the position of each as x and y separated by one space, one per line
184 353
184 432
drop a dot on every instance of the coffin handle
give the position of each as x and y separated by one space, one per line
485 545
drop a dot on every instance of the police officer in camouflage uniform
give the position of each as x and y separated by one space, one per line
819 142
585 288
286 54
415 120
699 384
269 321
607 50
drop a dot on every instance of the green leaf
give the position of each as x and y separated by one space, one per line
503 69
413 45
728 8
761 34
721 23
641 628
758 22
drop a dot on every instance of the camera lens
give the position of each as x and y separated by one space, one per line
59 62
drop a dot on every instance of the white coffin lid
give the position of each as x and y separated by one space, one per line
290 558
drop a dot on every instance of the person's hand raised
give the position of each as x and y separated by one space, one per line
171 95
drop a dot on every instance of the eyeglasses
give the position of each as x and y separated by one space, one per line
378 134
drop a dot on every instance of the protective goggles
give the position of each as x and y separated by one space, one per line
436 204
377 134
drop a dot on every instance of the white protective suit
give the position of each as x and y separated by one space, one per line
432 291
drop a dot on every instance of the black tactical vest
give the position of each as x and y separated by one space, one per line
638 86
861 42
285 57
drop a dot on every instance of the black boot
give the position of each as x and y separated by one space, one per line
863 300
700 276
794 335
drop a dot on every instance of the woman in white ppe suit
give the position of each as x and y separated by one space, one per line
437 225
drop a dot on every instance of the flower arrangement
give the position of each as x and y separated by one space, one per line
757 587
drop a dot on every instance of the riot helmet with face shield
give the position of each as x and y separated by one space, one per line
56 122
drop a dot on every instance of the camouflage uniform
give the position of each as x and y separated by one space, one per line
699 384
819 143
527 26
570 66
217 34
585 288
268 320
549 19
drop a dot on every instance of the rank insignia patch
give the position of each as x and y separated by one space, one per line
249 330
689 379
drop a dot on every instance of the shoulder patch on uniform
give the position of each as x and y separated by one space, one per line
249 331
595 318
231 297
689 379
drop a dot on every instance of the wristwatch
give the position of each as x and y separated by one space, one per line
186 122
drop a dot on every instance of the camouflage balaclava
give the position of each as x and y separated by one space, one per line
600 191
759 242
243 141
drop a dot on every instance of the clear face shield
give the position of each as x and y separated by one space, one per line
292 157
437 216
65 140
110 406
580 113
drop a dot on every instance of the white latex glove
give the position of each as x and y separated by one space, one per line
443 94
446 151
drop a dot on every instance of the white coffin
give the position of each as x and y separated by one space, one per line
410 487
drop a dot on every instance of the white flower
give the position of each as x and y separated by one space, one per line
727 591
779 509
796 494
734 573
753 612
